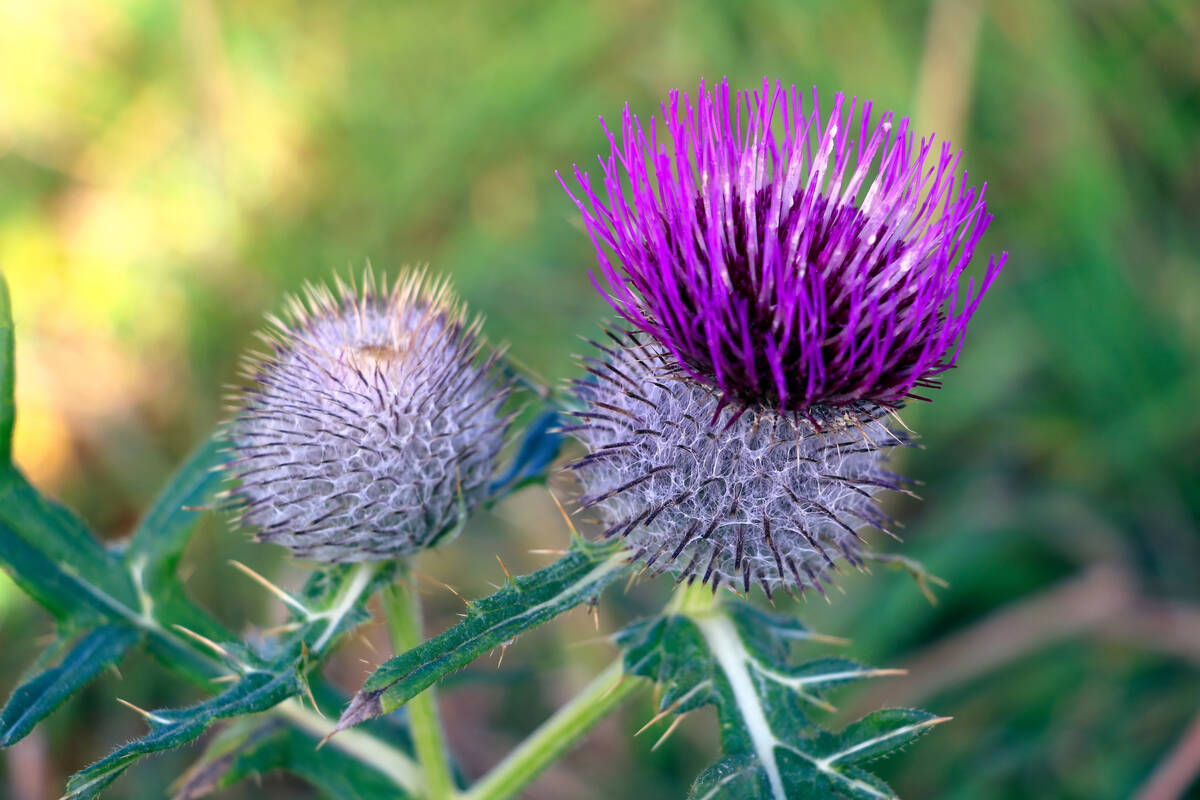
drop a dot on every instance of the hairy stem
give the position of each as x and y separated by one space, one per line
403 609
556 735
559 733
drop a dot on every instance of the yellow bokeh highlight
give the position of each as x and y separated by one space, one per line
146 179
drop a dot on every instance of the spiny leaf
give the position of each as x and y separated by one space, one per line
737 658
275 746
55 559
37 698
257 691
335 601
156 545
154 550
219 767
878 734
336 598
524 603
821 767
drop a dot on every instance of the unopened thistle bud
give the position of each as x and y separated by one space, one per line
372 424
798 279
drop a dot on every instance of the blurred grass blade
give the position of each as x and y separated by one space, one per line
157 544
34 700
524 603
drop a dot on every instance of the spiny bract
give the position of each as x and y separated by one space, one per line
741 498
372 424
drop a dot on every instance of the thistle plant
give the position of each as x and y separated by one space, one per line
798 280
785 282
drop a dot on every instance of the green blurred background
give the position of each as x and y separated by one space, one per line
169 170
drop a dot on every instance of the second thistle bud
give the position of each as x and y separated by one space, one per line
372 424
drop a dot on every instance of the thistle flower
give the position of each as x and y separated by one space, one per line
788 262
372 424
798 280
756 497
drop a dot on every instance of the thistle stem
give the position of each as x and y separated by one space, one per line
560 732
403 610
363 747
556 735
693 599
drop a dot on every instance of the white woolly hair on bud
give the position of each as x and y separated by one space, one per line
725 494
372 423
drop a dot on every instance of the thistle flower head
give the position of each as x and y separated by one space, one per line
754 498
787 258
372 422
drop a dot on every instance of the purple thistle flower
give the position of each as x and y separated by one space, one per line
791 261
371 426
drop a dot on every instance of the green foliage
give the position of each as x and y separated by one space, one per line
522 604
734 657
37 698
51 555
332 603
252 748
158 542
737 658
257 691
119 599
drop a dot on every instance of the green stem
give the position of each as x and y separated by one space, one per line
403 609
363 747
559 733
693 600
556 735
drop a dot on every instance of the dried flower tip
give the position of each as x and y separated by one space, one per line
372 423
733 496
787 260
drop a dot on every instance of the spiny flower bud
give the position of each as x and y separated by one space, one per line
789 261
741 498
372 424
